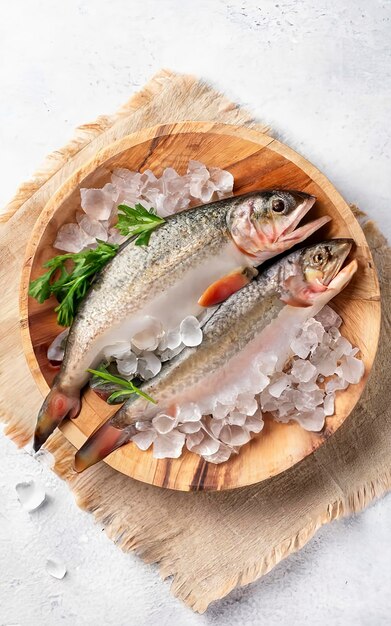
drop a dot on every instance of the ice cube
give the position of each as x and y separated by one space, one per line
222 179
169 446
190 331
351 369
280 382
148 365
329 404
57 347
303 371
128 365
222 454
189 427
342 347
234 435
328 318
221 410
237 418
326 362
144 438
193 440
124 179
309 386
308 400
313 421
149 336
267 362
206 446
189 412
31 494
117 350
167 355
71 238
254 423
246 403
56 568
173 339
163 423
147 179
98 203
92 228
335 384
215 426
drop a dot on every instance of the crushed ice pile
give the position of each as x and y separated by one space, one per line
322 362
168 194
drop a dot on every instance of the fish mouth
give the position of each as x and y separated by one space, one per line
291 234
340 251
343 277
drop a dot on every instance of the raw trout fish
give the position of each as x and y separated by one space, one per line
261 319
196 259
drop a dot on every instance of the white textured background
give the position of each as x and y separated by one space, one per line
320 73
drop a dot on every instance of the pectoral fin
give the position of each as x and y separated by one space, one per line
224 287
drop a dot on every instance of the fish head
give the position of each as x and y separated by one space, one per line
316 269
263 224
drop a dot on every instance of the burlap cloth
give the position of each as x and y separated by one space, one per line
208 542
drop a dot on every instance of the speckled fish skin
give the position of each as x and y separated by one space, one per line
250 321
185 255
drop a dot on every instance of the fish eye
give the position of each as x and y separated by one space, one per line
278 205
319 258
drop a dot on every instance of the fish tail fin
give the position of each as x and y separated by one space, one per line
57 405
101 443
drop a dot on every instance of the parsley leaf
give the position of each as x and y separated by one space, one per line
69 277
139 221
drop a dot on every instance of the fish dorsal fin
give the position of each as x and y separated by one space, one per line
224 287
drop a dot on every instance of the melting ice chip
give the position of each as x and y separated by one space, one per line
351 369
163 423
303 371
71 238
328 318
118 350
56 568
148 338
98 203
190 331
280 383
128 365
30 495
169 446
189 413
149 365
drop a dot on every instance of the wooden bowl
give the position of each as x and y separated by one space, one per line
256 161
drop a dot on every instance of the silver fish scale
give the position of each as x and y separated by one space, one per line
236 322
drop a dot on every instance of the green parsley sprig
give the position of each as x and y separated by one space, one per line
139 221
70 286
127 388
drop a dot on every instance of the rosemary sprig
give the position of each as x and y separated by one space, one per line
128 388
137 221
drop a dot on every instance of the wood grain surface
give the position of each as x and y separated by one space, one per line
256 161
